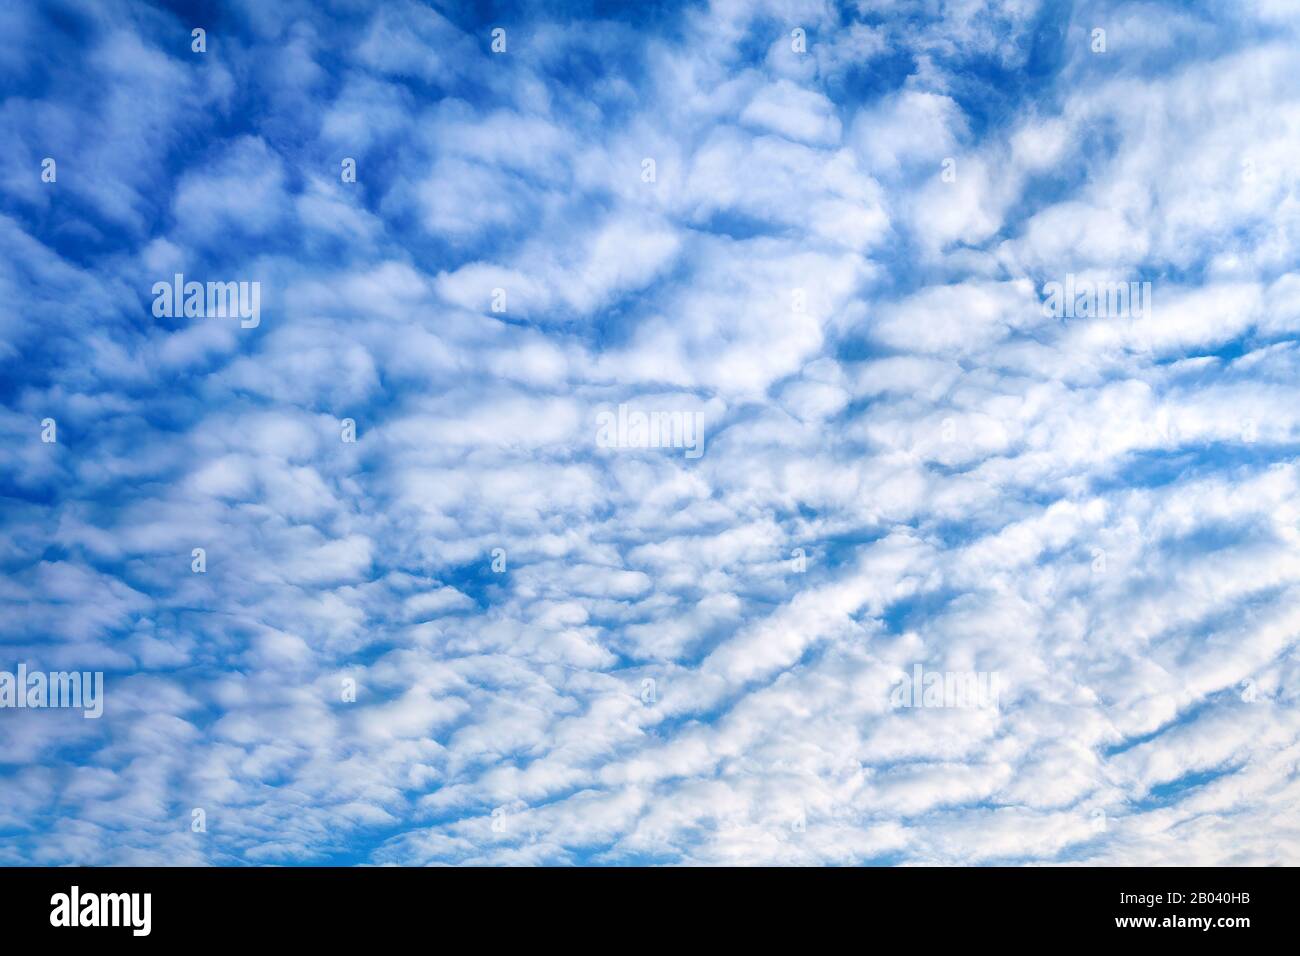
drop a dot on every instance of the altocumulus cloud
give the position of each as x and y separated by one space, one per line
365 587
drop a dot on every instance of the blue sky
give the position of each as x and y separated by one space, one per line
836 269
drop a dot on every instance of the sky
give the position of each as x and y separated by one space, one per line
368 576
